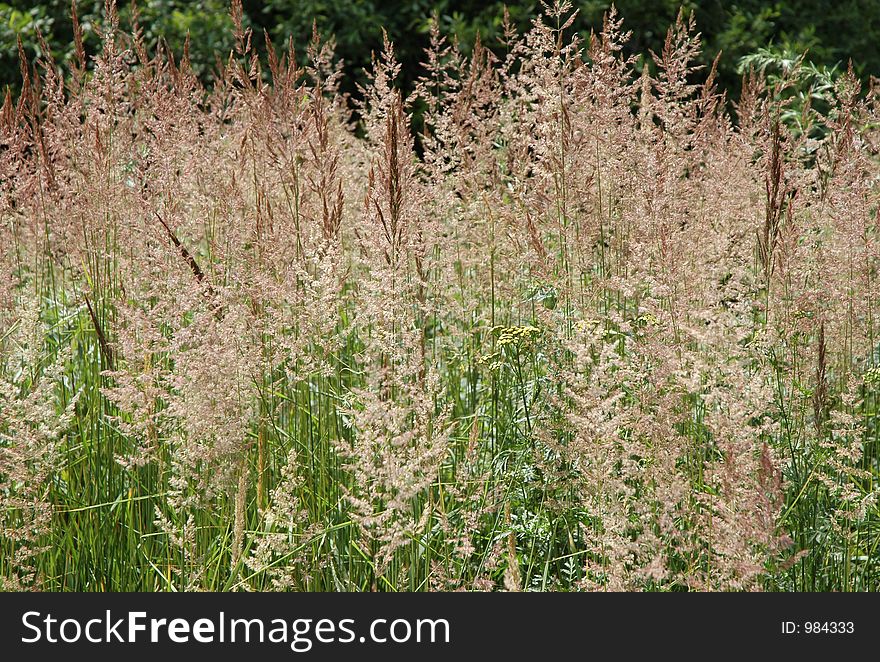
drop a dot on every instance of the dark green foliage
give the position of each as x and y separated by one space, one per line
832 31
206 21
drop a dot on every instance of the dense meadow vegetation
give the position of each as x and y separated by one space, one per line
588 326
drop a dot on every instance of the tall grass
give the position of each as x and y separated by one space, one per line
584 330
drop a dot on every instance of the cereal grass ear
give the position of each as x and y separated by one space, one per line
79 48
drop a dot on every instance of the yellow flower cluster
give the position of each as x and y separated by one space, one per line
583 326
515 335
648 319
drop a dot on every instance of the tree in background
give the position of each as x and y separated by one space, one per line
832 32
207 22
